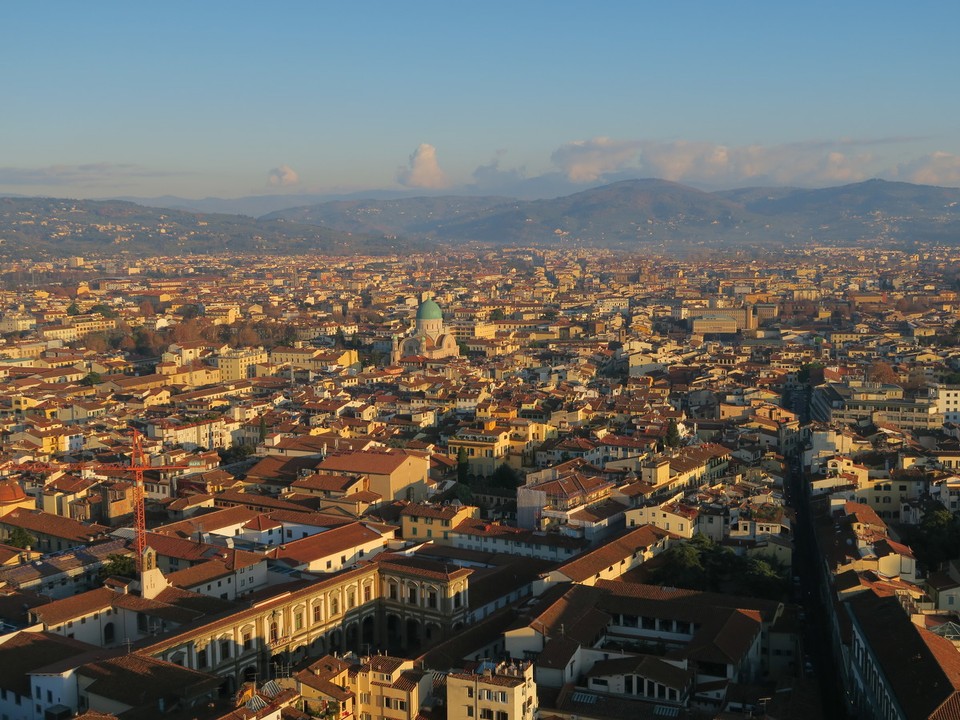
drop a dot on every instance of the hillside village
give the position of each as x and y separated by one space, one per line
501 485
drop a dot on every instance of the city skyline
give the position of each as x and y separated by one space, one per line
537 100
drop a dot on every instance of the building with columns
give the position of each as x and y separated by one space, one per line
395 602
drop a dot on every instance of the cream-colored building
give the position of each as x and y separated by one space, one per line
239 363
389 688
493 691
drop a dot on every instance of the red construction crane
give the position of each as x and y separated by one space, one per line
139 463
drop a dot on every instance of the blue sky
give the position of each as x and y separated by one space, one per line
243 98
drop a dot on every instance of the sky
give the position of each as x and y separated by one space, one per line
528 98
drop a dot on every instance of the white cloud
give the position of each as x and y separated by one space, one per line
283 176
810 163
586 160
424 170
938 168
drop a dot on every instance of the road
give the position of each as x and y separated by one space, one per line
816 639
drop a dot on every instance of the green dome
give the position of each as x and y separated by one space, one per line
429 310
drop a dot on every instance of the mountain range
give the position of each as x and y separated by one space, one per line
623 214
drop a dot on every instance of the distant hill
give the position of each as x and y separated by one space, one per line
256 205
623 214
422 216
632 211
31 227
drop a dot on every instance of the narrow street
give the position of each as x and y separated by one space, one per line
818 657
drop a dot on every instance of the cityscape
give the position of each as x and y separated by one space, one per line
518 480
500 361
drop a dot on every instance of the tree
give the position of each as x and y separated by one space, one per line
882 372
104 310
235 454
119 566
762 578
189 312
21 538
672 438
505 477
497 314
262 431
463 465
73 309
681 567
96 342
810 372
91 379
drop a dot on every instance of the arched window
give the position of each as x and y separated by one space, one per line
274 632
334 606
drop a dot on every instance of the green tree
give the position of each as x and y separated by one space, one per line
73 309
497 314
119 566
463 492
235 454
809 371
104 310
672 438
262 434
463 465
505 477
91 379
20 538
680 566
761 578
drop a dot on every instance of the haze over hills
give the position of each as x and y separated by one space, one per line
622 214
32 227
650 210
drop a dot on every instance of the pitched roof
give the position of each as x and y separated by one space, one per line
137 680
921 669
611 553
29 651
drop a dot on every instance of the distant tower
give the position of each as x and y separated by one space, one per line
394 349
